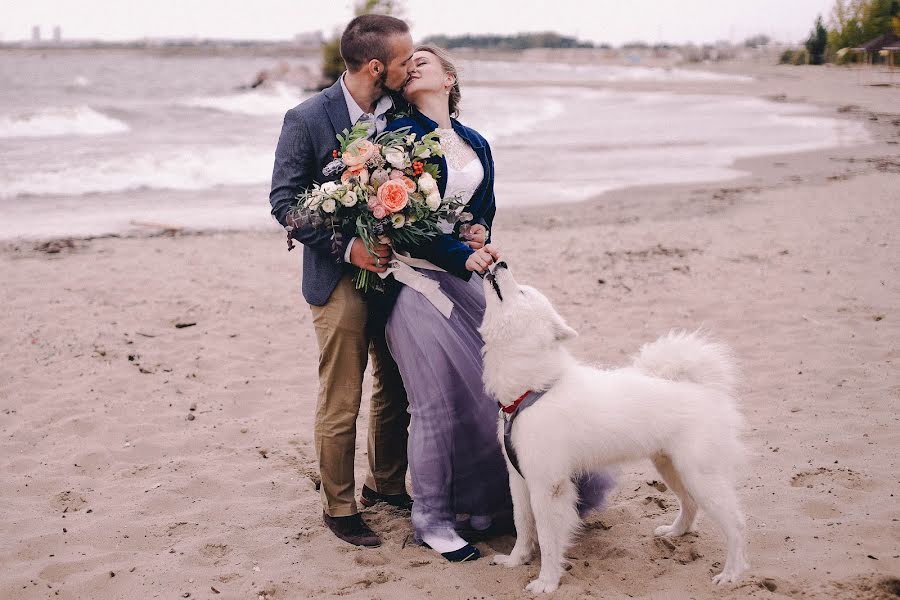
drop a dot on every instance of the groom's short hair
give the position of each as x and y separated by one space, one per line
366 37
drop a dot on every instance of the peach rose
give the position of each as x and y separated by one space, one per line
358 153
393 196
409 183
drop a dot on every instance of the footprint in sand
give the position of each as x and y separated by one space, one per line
69 501
214 551
366 581
824 477
870 587
371 559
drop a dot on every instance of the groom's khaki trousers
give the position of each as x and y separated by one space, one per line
343 347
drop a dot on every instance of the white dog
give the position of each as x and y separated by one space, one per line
673 406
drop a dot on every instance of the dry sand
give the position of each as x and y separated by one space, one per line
141 459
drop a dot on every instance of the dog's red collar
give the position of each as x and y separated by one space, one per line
512 407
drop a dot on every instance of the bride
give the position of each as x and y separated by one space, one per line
455 460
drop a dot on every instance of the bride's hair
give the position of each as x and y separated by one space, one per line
447 64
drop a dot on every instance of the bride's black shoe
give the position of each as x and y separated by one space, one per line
466 553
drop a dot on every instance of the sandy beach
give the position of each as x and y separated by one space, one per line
157 393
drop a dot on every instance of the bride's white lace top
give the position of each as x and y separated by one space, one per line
464 170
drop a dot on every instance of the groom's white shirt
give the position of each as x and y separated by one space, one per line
379 117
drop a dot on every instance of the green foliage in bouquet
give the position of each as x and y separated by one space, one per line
387 193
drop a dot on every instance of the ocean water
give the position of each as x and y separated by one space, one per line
92 142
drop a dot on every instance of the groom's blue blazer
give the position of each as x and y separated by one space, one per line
305 146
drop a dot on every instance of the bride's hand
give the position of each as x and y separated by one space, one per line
482 258
475 236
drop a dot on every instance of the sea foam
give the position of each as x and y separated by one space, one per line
273 100
198 168
64 121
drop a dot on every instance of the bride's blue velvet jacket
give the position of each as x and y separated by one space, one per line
446 251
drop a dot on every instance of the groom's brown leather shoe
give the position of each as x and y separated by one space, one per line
352 530
370 498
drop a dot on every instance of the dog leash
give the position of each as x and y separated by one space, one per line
509 414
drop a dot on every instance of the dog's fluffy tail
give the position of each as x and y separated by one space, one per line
689 356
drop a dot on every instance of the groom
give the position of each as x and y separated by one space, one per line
375 49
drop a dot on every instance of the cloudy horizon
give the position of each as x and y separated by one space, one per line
604 21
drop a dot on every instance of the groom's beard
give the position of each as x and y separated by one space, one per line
400 103
381 84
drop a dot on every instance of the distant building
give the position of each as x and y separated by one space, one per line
879 49
36 33
57 34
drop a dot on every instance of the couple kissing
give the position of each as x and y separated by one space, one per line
429 410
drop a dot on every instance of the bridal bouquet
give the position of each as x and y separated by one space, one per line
387 193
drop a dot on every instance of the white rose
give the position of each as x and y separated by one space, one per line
427 184
329 205
433 201
313 201
398 220
397 158
329 187
349 199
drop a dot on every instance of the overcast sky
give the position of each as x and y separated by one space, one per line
613 21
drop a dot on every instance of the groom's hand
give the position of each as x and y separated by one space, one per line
360 257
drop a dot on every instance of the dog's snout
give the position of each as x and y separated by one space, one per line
502 265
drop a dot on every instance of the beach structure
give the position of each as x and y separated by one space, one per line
881 48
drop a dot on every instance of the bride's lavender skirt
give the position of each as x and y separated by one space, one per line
455 460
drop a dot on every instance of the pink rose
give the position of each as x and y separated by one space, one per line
397 174
378 212
393 196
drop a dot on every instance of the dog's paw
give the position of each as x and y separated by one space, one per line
667 531
508 560
542 586
727 576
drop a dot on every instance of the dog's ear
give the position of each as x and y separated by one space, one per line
561 331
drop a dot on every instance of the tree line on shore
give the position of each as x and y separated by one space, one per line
519 41
852 24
